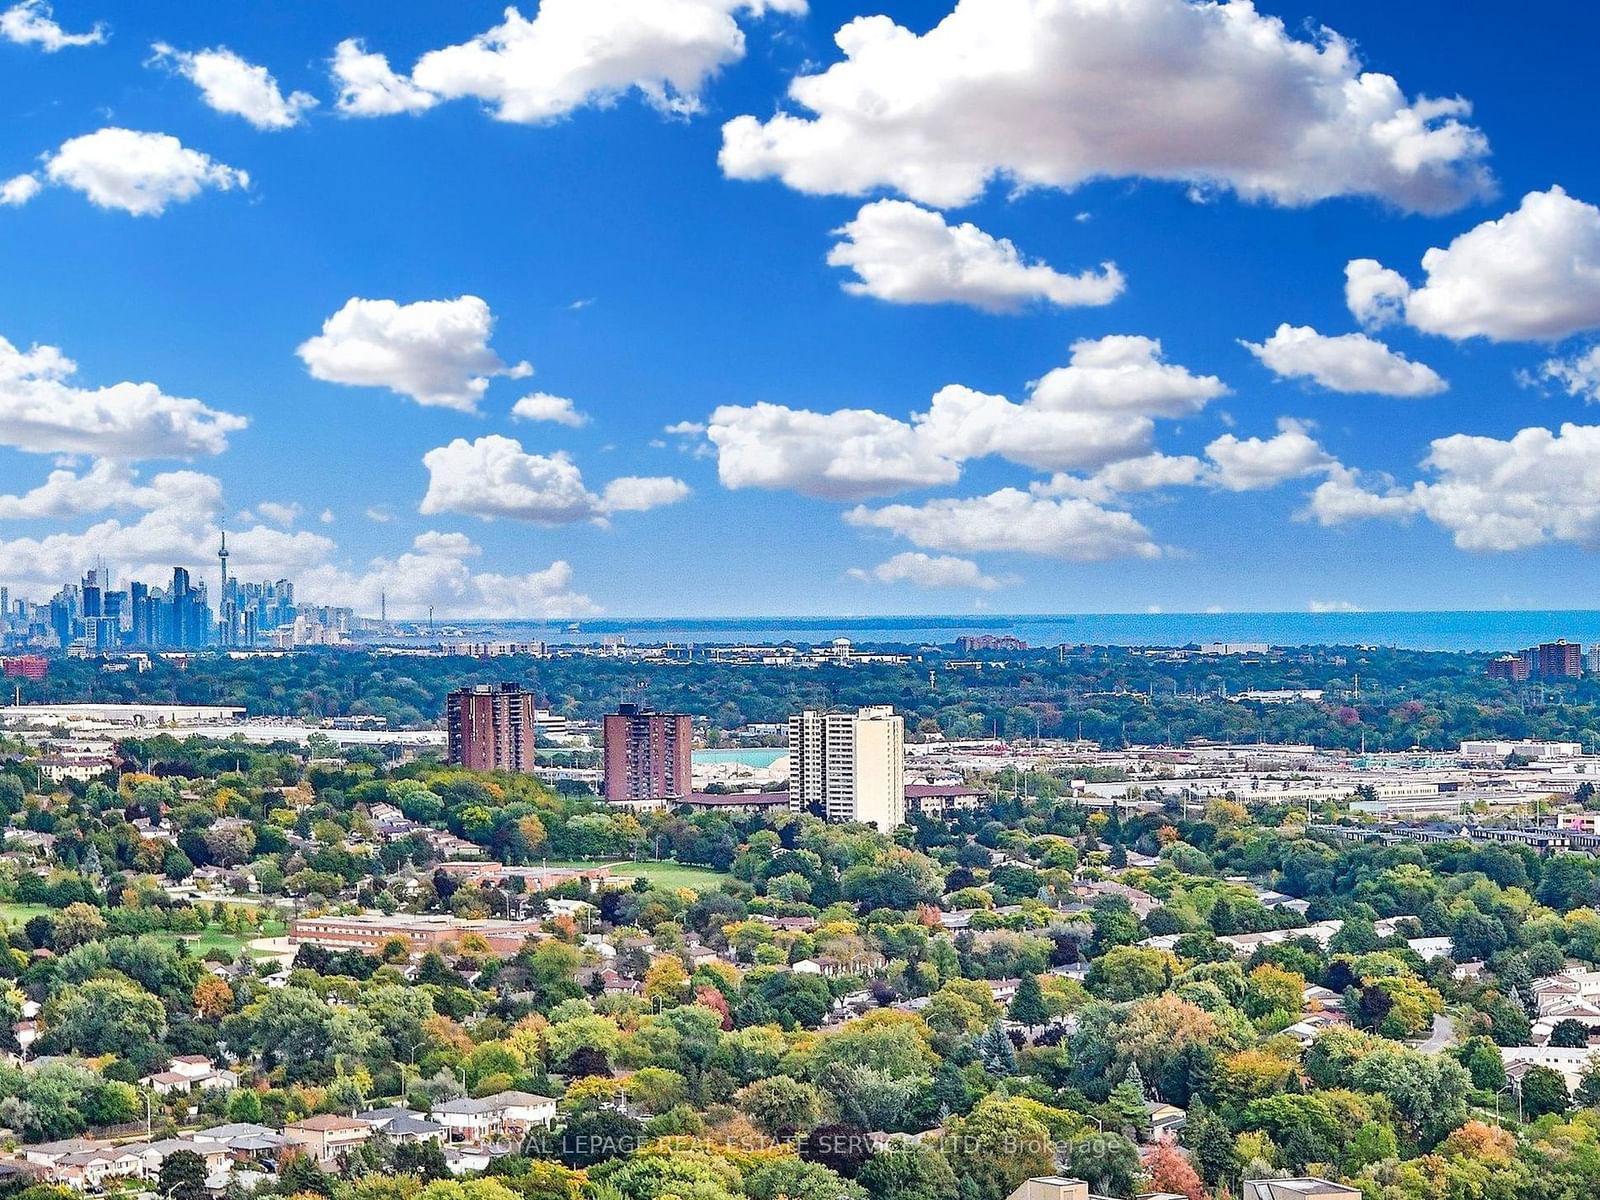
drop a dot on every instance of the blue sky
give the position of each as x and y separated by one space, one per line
653 286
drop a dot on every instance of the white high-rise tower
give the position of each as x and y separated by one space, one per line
849 766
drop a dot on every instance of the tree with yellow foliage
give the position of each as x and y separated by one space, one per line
666 982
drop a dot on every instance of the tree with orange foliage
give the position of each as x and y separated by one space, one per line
213 998
563 928
1480 1142
1170 1171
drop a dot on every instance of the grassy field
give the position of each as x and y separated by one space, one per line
667 874
12 913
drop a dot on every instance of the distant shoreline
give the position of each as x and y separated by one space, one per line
1441 630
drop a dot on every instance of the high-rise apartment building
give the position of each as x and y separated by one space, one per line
647 754
1560 660
978 643
491 728
849 766
1515 667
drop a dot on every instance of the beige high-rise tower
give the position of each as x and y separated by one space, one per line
849 766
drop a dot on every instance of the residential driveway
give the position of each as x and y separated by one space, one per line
1444 1032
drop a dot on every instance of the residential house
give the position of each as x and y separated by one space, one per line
190 1072
1164 1118
1244 945
325 1136
1431 947
215 1155
243 1139
459 1160
471 1120
1091 890
85 1170
403 1125
48 1154
1311 1024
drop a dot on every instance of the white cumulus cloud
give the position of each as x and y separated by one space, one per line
850 454
1146 473
909 255
641 493
139 173
1578 374
1488 493
1096 410
574 53
1125 373
231 85
1054 93
434 351
436 576
181 532
928 571
18 190
495 477
1344 496
32 23
1375 294
1252 464
41 411
446 545
179 527
1349 362
369 87
963 424
1014 521
541 406
282 513
1531 275
109 484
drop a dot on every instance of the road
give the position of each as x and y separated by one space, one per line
1444 1032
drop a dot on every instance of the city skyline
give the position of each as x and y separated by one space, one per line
574 321
97 615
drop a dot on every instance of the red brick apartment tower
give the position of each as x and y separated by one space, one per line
1560 660
492 728
647 754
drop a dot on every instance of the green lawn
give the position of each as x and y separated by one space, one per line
12 913
667 874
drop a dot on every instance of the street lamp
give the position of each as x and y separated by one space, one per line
1511 1086
411 1057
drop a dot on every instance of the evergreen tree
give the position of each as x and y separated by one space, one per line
1211 1146
1127 1101
998 1055
1132 1078
949 1092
